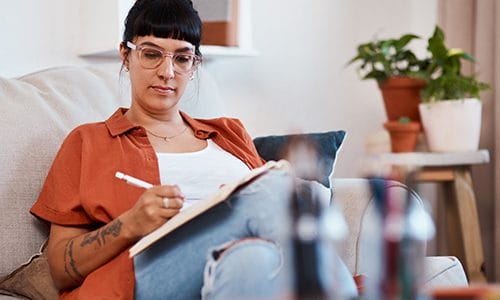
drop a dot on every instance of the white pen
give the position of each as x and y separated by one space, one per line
133 181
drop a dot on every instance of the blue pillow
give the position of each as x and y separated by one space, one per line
322 146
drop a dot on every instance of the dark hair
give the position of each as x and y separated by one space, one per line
176 19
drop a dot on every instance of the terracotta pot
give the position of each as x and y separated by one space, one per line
403 135
401 97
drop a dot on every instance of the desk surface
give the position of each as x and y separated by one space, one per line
429 159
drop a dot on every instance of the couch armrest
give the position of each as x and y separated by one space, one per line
353 197
443 271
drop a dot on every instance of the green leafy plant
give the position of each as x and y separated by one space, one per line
445 80
382 59
404 120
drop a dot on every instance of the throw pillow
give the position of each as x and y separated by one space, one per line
312 155
30 281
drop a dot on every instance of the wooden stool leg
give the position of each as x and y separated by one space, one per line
454 236
468 225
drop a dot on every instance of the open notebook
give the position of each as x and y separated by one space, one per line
191 212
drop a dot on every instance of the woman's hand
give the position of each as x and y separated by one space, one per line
153 209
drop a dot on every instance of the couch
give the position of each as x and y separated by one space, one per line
39 109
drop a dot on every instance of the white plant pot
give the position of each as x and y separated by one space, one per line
452 125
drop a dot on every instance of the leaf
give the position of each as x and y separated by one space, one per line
438 33
461 54
436 45
375 74
404 40
469 57
404 120
352 60
386 47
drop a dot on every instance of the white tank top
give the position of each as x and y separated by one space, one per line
199 174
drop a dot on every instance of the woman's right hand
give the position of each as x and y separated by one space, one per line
153 208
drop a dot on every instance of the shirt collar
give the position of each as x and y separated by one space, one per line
119 124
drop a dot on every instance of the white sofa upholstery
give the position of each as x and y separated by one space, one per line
39 109
354 198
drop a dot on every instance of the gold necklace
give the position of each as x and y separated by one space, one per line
167 138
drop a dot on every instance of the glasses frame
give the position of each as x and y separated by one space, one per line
196 59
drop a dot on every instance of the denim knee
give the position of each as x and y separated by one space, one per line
243 269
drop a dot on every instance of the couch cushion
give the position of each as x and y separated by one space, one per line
326 146
37 112
443 271
351 196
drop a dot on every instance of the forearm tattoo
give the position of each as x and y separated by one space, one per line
69 260
99 236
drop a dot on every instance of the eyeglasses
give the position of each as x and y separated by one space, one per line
152 58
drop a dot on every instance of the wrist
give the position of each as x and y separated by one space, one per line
128 227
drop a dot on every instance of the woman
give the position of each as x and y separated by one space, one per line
95 218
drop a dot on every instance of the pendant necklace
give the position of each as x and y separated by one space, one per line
167 138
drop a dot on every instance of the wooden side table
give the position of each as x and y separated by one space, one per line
453 170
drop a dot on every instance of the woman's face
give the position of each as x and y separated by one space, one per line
158 89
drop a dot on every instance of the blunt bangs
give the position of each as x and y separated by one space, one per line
167 19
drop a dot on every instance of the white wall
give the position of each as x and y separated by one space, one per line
37 34
298 83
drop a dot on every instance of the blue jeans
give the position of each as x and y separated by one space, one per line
246 240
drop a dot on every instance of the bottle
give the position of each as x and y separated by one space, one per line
333 232
372 255
418 229
305 211
397 231
316 228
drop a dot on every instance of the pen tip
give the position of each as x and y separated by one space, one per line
119 175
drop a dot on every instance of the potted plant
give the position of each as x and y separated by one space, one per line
403 133
398 72
450 108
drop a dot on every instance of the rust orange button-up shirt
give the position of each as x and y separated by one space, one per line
81 189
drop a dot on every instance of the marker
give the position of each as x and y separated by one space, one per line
133 181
